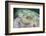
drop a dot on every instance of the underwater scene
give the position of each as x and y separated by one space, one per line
25 17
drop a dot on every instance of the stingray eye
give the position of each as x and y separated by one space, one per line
27 17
